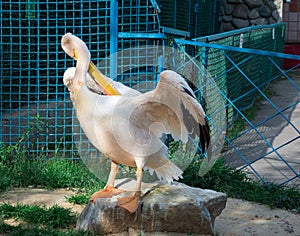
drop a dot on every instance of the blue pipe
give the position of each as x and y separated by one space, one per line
236 32
238 49
113 39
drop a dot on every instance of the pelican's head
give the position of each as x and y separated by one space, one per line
66 44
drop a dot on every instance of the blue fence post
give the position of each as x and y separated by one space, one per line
1 72
113 39
214 16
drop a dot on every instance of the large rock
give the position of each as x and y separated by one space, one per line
227 18
240 11
264 11
259 21
240 23
253 14
175 208
253 3
226 27
235 1
228 8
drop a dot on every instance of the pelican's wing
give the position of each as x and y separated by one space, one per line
172 108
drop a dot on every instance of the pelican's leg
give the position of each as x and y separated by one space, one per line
109 190
131 203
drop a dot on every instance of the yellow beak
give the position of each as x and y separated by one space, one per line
104 85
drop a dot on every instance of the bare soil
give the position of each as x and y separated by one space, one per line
238 218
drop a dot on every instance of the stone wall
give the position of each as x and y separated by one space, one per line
236 14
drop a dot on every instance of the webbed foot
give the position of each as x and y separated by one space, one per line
130 203
107 192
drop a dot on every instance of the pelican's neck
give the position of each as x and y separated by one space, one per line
82 66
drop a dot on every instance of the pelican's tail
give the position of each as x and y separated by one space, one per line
164 169
168 172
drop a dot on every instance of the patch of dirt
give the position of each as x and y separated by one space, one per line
42 197
239 218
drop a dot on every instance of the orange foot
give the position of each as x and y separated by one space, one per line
107 192
130 203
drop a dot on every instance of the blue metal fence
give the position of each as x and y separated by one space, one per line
269 144
32 64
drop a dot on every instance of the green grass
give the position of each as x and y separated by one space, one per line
38 220
22 230
17 169
80 198
21 171
48 174
55 217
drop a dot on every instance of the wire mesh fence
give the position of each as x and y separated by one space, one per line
32 62
32 65
243 70
199 18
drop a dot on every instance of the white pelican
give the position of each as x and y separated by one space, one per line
127 128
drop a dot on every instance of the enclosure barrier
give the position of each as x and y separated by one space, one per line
32 95
269 145
260 69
